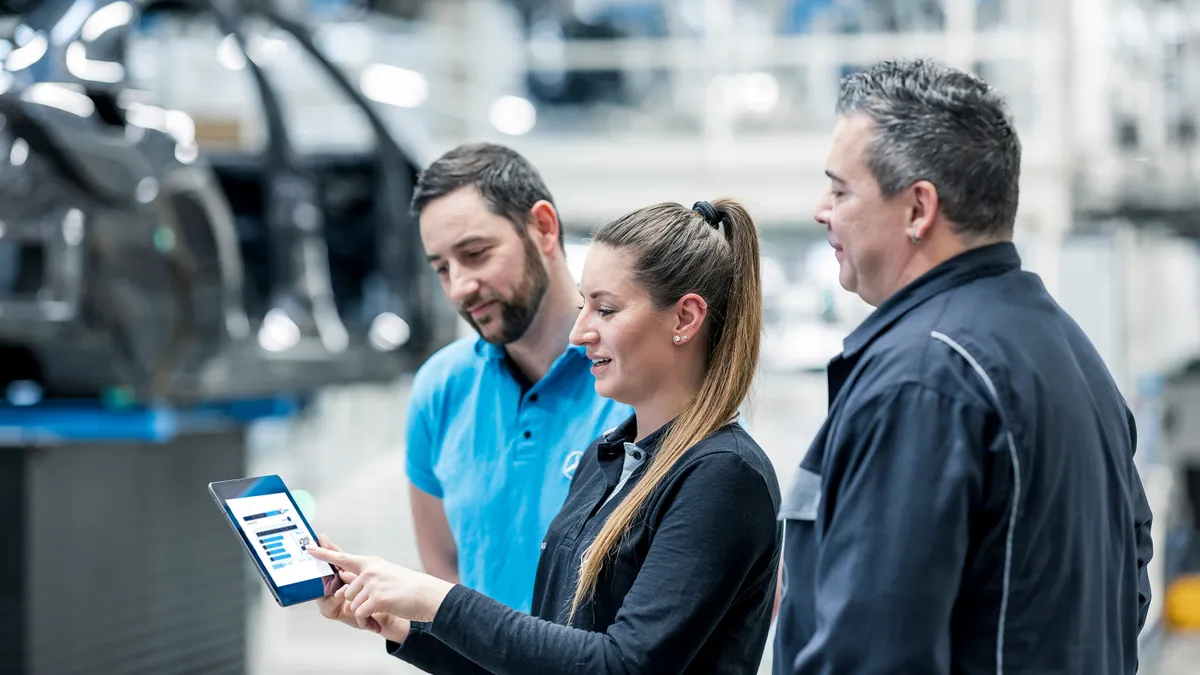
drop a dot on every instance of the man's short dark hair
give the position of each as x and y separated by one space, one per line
508 183
946 126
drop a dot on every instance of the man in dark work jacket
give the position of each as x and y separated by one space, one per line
971 504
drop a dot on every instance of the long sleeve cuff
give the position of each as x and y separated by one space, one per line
506 642
423 650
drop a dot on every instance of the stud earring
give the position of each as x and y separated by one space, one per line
677 338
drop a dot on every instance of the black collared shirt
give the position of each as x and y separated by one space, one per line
690 589
971 505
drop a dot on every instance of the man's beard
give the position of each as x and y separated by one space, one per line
518 313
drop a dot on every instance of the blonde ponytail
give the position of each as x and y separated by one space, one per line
677 251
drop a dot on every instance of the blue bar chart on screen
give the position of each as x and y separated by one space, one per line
278 537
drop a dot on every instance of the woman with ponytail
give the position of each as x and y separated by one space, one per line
664 557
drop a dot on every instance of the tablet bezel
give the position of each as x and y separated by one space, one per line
255 486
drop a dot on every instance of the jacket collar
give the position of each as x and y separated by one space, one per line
985 261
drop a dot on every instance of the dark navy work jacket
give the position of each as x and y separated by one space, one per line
971 504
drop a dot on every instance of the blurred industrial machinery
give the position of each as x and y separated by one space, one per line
132 264
1138 158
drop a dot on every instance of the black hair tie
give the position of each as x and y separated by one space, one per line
709 212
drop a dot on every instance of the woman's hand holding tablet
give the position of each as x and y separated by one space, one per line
336 607
383 588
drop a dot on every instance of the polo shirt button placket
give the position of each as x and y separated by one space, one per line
526 414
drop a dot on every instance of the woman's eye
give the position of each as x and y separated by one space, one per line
604 312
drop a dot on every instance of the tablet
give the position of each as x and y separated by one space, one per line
276 535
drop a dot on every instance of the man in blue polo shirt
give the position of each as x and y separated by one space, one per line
497 423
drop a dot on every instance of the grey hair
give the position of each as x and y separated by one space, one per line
946 126
508 183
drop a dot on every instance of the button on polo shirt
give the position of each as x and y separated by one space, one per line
501 459
634 458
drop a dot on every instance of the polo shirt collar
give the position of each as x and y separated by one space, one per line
488 350
613 445
977 263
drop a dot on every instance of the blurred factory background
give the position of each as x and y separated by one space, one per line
207 268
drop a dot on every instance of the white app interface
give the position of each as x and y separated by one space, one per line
279 537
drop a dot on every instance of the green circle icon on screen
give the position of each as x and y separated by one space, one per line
306 503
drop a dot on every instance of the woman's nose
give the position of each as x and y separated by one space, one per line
580 333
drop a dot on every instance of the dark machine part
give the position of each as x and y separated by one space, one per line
405 276
120 260
128 260
301 298
382 282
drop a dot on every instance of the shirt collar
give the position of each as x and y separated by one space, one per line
614 441
985 261
488 350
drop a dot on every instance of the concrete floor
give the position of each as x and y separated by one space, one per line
349 455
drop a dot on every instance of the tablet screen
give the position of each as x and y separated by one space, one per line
279 537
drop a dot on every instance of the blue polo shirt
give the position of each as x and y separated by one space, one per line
501 461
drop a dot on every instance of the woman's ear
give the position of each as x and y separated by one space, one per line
690 311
